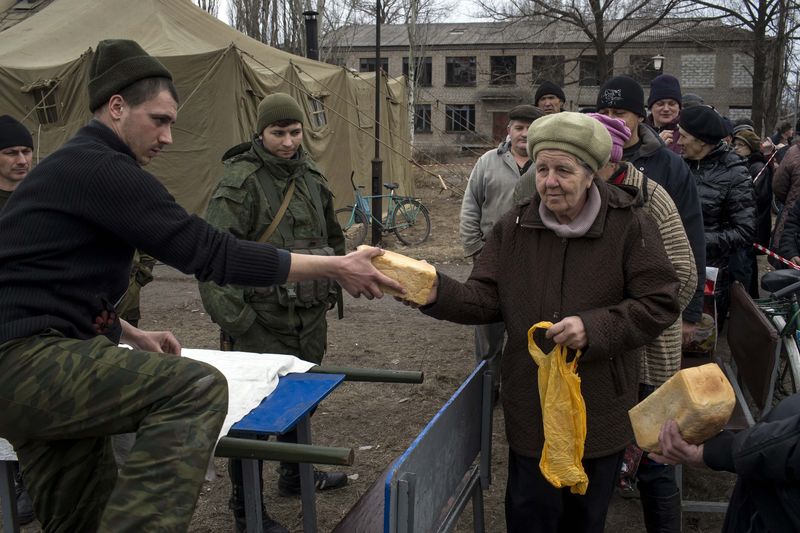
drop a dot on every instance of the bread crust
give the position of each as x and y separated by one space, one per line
700 399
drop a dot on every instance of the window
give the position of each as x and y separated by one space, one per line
642 69
460 118
317 109
367 64
460 71
423 71
422 118
590 74
43 93
548 68
503 70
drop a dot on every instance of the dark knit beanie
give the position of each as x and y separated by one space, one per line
704 123
525 112
275 107
575 133
548 87
13 133
750 138
622 92
663 87
691 100
117 64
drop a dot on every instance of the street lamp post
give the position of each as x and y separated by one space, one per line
377 164
658 62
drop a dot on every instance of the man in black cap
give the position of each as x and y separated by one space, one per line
16 154
549 98
622 97
489 194
726 194
67 237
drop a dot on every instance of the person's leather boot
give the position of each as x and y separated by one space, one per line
236 502
289 480
25 513
662 514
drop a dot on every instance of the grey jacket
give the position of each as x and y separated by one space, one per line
489 195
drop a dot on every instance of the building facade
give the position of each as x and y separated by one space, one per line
470 74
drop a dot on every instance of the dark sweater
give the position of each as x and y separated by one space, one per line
68 234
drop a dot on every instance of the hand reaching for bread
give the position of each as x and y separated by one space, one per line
362 277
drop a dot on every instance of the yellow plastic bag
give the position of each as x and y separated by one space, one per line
563 415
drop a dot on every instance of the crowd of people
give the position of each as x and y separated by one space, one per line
706 186
601 222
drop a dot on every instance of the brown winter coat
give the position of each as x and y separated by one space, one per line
616 278
786 188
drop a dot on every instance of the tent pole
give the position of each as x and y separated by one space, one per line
377 164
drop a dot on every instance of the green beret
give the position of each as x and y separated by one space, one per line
574 133
119 63
276 107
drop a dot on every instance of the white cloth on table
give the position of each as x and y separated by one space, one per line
251 377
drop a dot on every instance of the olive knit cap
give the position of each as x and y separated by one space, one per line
575 133
275 107
117 64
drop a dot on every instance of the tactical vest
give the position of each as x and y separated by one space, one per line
308 293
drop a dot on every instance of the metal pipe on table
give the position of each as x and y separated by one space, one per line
377 375
283 451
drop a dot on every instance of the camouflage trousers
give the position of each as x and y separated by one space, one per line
61 399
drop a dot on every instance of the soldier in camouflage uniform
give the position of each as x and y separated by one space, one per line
259 176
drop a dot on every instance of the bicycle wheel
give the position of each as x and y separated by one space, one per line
410 221
354 225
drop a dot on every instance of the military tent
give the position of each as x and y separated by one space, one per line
220 74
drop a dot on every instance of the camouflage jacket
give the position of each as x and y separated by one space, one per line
244 203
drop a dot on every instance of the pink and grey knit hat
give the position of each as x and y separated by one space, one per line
620 133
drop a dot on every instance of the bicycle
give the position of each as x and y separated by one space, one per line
406 217
783 310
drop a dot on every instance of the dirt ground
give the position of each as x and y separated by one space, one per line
377 420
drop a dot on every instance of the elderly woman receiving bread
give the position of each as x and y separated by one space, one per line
580 254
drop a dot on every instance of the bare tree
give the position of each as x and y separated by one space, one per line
209 6
279 23
772 22
598 20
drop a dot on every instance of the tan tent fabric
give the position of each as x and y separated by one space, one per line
220 74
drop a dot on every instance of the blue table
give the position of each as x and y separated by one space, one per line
290 405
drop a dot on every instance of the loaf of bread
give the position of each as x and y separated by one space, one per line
700 399
416 276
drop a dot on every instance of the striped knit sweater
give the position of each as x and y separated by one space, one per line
662 357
